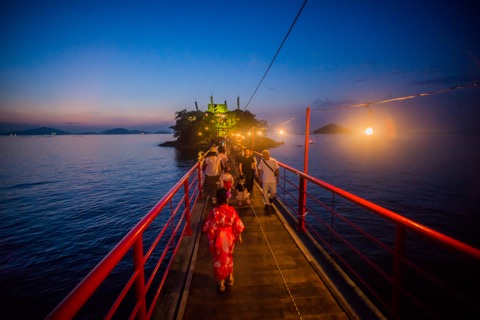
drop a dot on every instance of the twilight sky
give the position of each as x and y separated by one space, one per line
95 65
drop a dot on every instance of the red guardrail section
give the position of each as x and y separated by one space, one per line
326 212
176 226
309 207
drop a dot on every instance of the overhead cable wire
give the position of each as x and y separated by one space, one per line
424 94
367 104
276 54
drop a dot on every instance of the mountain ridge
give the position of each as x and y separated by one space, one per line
56 132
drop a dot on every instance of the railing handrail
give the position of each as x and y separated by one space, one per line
325 214
392 216
84 290
70 306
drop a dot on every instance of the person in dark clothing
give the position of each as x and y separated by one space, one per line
248 168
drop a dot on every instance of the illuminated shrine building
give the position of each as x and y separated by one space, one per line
222 123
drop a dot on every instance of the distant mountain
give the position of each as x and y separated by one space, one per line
40 132
123 131
163 132
332 128
51 131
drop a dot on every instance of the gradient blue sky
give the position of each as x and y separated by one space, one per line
95 65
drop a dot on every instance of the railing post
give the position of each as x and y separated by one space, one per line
302 197
399 253
140 281
302 200
188 229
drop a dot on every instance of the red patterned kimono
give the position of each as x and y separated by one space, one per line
223 225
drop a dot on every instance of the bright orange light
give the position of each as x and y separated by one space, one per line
369 131
280 131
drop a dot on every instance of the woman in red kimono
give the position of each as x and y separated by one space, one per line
223 227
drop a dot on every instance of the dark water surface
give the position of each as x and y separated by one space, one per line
433 179
65 201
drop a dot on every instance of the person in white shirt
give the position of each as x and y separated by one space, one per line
212 170
222 156
268 174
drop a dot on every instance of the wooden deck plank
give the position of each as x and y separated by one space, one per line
273 279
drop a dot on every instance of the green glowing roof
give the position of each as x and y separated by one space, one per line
217 108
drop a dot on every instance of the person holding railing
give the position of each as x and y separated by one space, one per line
223 228
268 174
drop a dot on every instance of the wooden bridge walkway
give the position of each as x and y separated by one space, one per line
274 276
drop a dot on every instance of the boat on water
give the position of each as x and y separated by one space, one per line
387 278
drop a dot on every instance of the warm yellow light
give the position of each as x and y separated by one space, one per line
280 131
249 133
199 133
369 131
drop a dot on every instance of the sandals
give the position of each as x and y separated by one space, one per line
231 280
221 286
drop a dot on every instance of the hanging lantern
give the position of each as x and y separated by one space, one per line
369 129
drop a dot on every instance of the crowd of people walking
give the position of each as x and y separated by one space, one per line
223 225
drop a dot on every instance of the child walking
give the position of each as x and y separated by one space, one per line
242 192
226 179
223 228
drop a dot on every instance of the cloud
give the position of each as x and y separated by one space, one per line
329 104
451 80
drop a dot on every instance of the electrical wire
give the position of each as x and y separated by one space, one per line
367 104
276 54
424 94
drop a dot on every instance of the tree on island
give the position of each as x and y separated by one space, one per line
198 128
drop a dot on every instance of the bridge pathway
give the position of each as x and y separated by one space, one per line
273 278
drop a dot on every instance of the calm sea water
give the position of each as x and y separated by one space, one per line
433 179
65 201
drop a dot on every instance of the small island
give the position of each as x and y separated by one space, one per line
332 128
196 129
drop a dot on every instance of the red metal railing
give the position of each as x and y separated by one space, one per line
166 238
401 264
345 225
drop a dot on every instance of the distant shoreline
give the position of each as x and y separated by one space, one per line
44 131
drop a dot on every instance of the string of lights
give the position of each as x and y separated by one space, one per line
424 94
276 54
367 104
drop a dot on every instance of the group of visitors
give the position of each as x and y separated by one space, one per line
215 168
223 225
